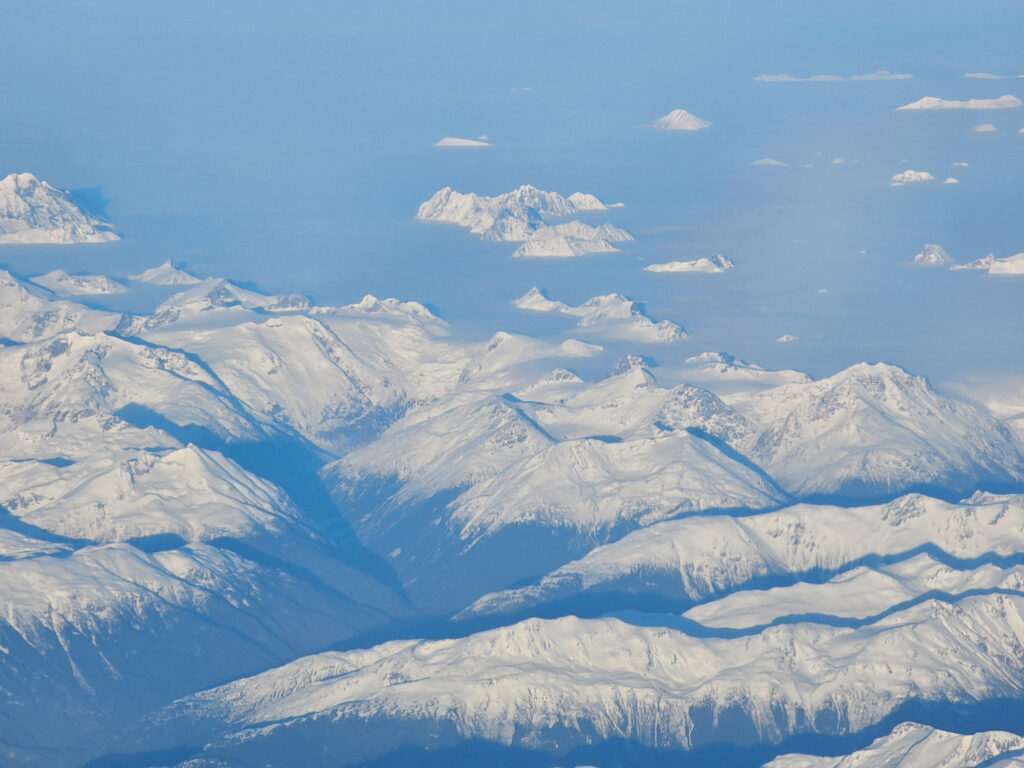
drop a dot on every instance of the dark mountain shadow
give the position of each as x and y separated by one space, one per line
739 458
292 464
12 522
728 741
91 200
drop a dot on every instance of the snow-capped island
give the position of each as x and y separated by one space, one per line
707 264
933 256
35 212
523 215
680 120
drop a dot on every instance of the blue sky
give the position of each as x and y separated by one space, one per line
288 146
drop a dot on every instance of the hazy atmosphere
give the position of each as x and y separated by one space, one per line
523 385
290 146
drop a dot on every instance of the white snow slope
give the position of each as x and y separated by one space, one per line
573 238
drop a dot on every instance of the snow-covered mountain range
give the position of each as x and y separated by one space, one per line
555 684
197 500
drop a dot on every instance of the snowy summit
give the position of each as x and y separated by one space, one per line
166 274
33 211
680 120
933 256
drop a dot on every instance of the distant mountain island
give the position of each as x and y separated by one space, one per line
33 211
524 215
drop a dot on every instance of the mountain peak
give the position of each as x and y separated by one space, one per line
167 273
680 120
